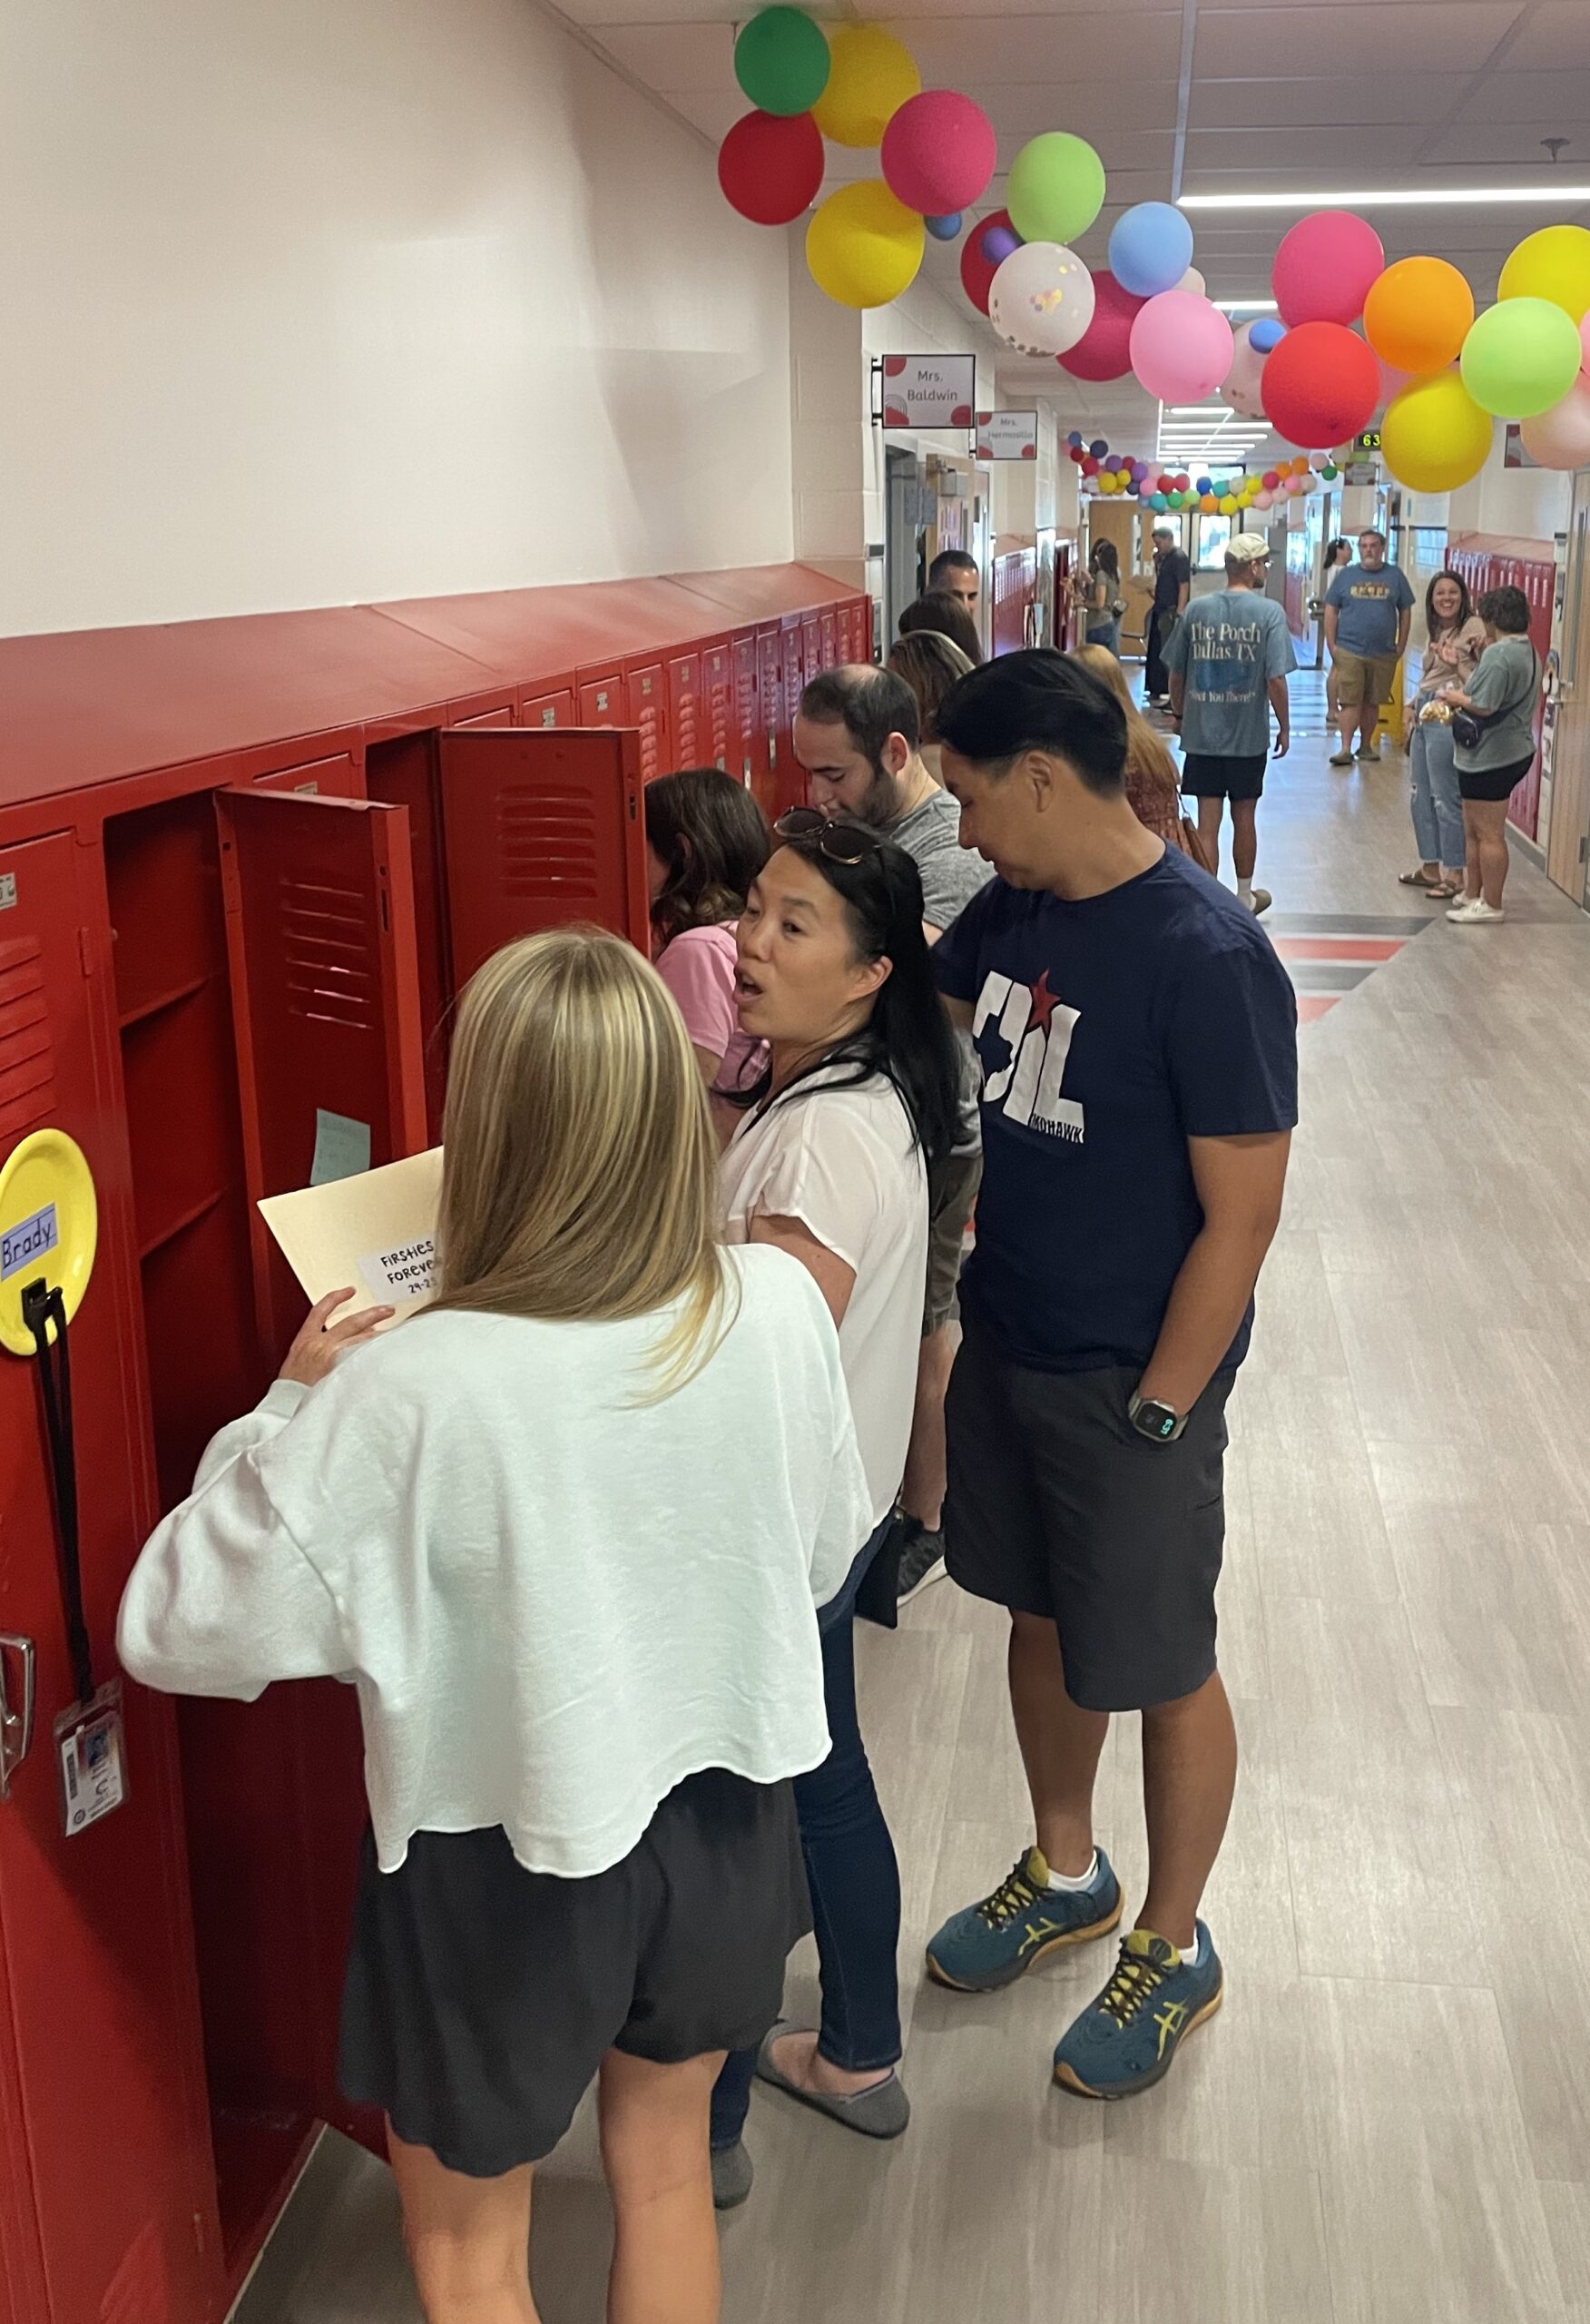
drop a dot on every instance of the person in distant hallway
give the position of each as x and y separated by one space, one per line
706 840
1500 697
534 1524
1369 609
1172 585
1454 638
1337 555
947 617
1228 662
1102 596
930 663
830 1163
956 573
1153 790
856 736
1137 1037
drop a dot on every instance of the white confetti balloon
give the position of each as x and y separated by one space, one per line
1041 301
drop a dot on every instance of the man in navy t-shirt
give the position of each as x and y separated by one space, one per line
1137 1042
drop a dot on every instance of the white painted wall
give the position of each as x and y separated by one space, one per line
307 302
1529 504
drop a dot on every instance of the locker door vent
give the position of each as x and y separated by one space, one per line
547 842
27 1057
138 2293
326 953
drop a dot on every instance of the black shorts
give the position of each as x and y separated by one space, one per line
1496 783
1056 1506
952 1197
1209 775
481 1998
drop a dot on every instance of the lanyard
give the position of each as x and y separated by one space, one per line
41 1308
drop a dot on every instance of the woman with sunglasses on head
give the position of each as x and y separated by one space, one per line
830 1163
534 1524
706 840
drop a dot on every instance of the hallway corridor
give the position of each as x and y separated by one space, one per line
1389 2120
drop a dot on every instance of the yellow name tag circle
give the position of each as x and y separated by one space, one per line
49 1228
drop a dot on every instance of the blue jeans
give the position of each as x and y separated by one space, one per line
1438 811
855 1884
1107 632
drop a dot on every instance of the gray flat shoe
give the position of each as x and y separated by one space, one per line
731 2176
880 2112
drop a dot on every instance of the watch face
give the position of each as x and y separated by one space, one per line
1156 1420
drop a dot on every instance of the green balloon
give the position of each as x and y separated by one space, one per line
782 61
1055 189
1520 356
1330 472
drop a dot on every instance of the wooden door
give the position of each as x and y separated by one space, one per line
1568 838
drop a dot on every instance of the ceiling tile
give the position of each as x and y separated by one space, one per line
1053 46
1554 38
1092 108
1311 104
1511 145
1554 102
1403 36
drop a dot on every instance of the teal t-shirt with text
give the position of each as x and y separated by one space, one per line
1227 648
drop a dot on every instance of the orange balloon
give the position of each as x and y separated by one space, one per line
1209 504
1417 315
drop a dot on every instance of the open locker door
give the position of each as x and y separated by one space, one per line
541 829
319 913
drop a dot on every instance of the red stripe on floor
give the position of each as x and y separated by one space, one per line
1339 948
1313 1006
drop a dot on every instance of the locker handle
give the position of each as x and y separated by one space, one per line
17 1727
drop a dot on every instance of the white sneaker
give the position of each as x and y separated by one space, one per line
1474 911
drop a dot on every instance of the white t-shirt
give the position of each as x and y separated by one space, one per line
845 1163
556 1601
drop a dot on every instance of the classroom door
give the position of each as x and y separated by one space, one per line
541 829
1568 837
106 2207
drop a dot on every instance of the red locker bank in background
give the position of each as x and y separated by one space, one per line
245 866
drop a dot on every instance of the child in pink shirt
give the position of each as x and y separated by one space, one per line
706 840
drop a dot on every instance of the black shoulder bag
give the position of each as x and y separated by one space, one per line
1468 725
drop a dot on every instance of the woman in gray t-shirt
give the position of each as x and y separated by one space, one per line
1501 694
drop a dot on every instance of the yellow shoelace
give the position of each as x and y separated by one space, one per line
1135 1978
1012 1895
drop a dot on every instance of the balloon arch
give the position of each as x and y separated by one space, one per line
1352 335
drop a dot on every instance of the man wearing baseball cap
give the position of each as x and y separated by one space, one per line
1228 662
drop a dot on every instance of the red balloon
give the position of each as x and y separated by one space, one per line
976 273
1105 350
1271 478
1324 268
770 166
1321 385
1182 480
938 153
1090 467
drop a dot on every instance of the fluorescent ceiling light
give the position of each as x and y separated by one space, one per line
1389 198
1246 306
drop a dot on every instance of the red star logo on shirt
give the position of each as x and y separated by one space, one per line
1045 1002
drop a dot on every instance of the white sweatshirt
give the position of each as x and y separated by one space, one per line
557 1602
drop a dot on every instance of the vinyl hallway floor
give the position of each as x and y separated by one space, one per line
1389 2120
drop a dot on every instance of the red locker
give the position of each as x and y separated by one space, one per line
335 777
499 712
401 769
772 645
752 731
544 710
832 654
106 2205
646 702
720 726
687 724
541 830
602 701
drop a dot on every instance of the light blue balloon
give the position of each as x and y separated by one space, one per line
946 228
1265 334
1158 501
1150 249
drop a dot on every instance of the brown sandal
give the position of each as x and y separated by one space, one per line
1416 880
1442 891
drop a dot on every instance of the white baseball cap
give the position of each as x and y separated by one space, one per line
1248 548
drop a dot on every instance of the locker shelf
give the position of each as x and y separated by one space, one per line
153 1007
179 1225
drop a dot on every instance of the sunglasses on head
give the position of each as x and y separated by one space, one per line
841 841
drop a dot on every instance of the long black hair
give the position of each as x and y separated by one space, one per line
1434 627
906 1038
1105 557
713 837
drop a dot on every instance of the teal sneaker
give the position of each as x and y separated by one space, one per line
1126 2040
993 1944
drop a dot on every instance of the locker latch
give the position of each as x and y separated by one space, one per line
16 1726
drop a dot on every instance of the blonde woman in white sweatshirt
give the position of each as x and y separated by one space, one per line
567 1531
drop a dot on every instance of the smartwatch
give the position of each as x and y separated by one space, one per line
1160 1423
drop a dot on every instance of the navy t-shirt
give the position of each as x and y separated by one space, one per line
1108 1032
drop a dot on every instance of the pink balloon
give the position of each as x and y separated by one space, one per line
1297 485
1393 381
1182 347
1241 386
1262 499
1560 437
938 153
1324 268
1105 350
1585 339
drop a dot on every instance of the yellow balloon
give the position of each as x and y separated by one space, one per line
1554 264
869 78
1434 436
1228 507
864 247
